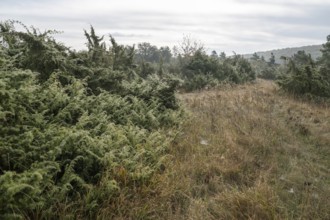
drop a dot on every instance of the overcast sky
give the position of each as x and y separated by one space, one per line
243 26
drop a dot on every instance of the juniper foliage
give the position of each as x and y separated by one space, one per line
200 70
77 128
304 76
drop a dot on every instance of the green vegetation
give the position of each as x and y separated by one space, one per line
78 129
101 133
200 71
304 76
314 50
265 69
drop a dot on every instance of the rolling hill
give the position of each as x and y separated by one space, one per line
314 50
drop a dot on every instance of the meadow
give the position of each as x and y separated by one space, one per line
112 132
250 152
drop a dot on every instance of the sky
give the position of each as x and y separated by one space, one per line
243 26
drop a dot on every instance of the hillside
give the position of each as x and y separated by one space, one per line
314 50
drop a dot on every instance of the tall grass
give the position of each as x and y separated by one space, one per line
248 152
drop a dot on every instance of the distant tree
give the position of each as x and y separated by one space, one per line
284 58
214 54
272 59
255 56
262 68
189 46
324 61
165 54
150 59
301 58
326 49
147 52
222 55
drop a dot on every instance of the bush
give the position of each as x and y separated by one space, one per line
78 133
305 77
201 71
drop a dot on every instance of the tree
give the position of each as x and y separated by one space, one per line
222 55
201 63
7 40
301 58
284 58
122 55
326 50
96 46
165 54
147 53
255 56
272 59
94 41
189 46
214 54
324 61
262 58
304 77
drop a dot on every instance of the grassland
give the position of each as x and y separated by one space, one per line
247 152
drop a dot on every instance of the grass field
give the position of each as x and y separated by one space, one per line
247 152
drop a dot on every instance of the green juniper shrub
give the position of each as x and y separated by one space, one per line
304 76
77 128
202 71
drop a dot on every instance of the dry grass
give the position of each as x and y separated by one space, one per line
247 153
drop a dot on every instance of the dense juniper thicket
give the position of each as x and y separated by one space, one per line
78 128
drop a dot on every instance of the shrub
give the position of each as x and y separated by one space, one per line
305 77
200 71
77 129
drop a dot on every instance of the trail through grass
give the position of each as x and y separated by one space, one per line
248 152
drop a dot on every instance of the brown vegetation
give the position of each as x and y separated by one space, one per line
247 152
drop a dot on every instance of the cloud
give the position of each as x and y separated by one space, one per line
288 2
227 25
